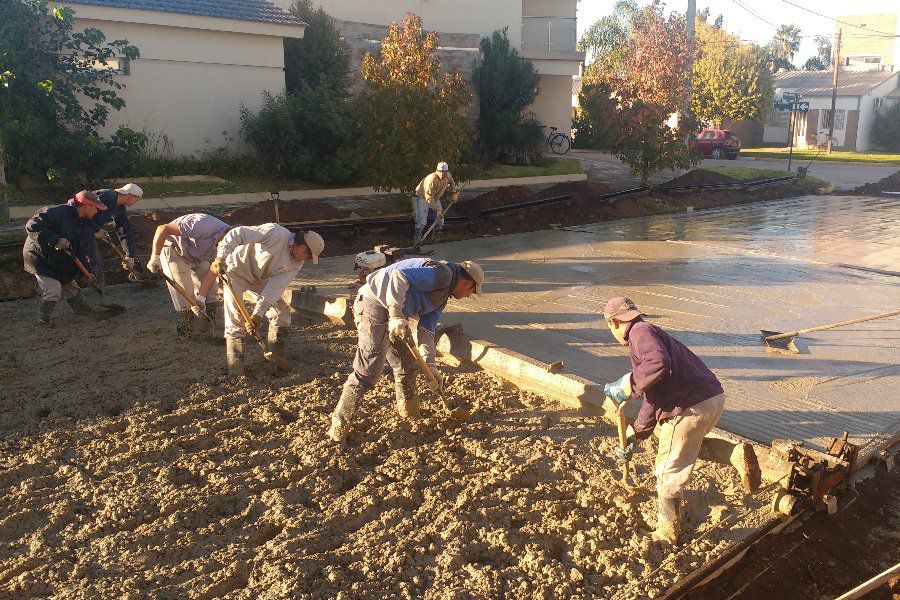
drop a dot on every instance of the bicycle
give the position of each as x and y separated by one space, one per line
558 142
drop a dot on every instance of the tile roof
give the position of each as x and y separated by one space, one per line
261 11
818 83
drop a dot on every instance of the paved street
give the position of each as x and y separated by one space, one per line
713 279
844 175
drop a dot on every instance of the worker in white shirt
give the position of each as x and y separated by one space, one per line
262 259
427 203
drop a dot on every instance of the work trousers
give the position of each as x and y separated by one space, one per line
373 348
680 439
185 273
53 291
279 314
423 213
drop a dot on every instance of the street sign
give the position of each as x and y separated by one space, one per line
779 105
790 96
803 106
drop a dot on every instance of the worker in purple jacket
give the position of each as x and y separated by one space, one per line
682 396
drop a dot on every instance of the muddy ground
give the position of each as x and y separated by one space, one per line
132 467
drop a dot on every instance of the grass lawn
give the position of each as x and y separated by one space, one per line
838 155
757 173
554 166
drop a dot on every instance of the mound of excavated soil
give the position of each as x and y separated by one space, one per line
504 196
698 177
155 475
891 183
288 211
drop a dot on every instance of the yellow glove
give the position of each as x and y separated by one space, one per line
218 266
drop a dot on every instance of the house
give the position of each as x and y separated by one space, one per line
543 31
859 94
200 60
870 42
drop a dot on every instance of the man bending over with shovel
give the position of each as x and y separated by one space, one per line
412 288
427 203
57 237
683 397
262 259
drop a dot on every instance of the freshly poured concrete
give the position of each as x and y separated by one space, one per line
713 279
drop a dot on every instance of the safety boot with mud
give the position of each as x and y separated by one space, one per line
185 326
338 430
45 316
277 338
201 323
743 459
343 412
234 354
80 306
407 397
668 524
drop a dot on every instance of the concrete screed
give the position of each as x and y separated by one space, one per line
713 279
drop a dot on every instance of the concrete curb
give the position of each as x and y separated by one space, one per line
181 202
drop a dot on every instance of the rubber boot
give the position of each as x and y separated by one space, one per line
407 397
201 325
234 355
343 412
45 316
743 459
80 306
277 341
417 236
185 326
668 524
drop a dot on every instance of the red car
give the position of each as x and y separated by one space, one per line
718 143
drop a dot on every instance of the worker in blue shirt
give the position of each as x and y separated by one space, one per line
117 202
415 288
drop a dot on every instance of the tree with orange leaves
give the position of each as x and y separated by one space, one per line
411 116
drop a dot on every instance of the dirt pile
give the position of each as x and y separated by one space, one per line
891 183
154 475
698 177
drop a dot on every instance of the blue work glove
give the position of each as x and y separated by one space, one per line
623 455
619 390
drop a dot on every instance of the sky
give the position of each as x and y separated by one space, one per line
777 12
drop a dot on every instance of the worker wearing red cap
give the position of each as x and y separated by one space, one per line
56 236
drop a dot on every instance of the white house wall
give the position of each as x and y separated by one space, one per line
553 106
867 113
189 84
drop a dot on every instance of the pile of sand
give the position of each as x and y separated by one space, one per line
891 183
131 466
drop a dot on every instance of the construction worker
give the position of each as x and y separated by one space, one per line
427 202
682 396
390 297
263 259
56 235
183 250
117 202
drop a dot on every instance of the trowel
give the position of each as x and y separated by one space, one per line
783 343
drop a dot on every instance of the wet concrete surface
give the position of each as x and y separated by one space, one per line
713 279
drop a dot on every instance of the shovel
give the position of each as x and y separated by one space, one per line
783 343
144 281
270 356
460 414
425 235
181 292
111 309
626 482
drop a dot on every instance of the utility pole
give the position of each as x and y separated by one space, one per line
691 18
837 61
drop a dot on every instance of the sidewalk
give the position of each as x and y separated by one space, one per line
181 202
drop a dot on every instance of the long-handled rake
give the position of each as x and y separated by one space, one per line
783 343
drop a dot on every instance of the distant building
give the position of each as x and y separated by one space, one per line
870 42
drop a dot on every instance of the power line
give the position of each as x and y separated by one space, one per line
738 2
836 20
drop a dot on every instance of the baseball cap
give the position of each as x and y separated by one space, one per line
315 243
622 309
475 272
442 166
89 198
132 189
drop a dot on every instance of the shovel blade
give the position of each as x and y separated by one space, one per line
278 361
779 346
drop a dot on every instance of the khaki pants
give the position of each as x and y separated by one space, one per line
680 439
52 290
184 273
279 314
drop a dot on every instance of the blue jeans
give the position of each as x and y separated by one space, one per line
424 213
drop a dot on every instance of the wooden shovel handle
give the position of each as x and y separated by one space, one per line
243 309
423 366
832 326
178 289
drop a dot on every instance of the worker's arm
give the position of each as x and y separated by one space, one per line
273 291
425 335
159 237
645 422
654 364
123 228
240 236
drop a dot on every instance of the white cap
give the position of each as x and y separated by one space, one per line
132 189
315 243
475 272
442 166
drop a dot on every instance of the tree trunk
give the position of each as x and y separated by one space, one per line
4 203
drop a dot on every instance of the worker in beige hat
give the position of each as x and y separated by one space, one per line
682 399
410 289
427 201
262 260
117 202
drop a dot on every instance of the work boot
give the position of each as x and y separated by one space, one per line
201 324
743 459
668 524
234 355
45 316
417 236
407 397
212 309
277 339
185 326
80 306
343 412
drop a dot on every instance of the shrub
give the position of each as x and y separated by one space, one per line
886 128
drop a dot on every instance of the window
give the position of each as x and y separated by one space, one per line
778 118
872 60
839 116
117 64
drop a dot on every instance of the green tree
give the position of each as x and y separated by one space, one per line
320 56
603 39
507 85
57 89
411 116
783 46
822 60
886 128
730 78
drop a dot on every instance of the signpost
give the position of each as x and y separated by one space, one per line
791 101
